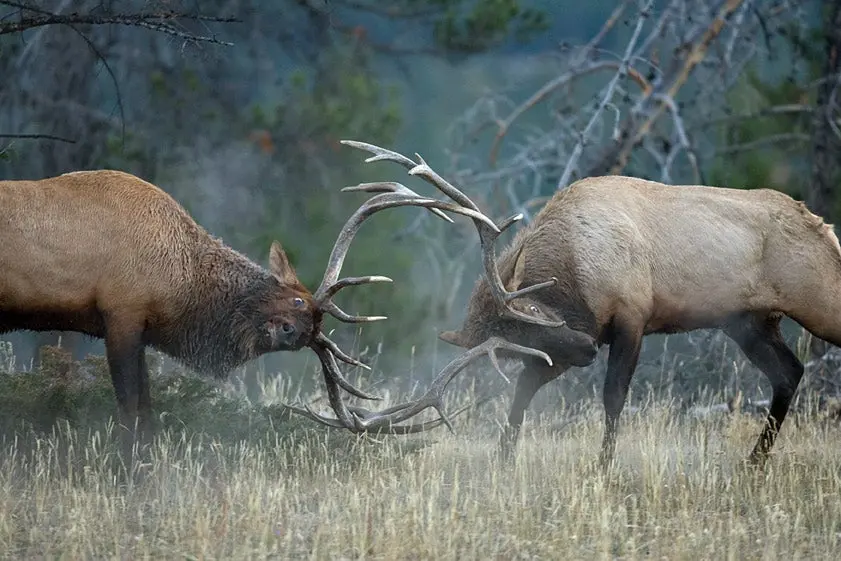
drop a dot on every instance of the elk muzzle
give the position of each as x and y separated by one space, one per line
286 335
579 348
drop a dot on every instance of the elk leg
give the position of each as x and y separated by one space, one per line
533 377
760 339
124 351
621 363
144 397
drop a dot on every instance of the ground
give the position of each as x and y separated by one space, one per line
678 491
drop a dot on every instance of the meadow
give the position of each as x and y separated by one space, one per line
230 479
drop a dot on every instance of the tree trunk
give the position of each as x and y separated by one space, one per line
826 145
822 195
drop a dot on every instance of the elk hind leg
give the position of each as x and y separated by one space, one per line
621 363
760 339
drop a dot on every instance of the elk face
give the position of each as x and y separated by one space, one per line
287 317
564 344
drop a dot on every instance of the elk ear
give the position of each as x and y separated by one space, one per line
454 338
519 271
279 265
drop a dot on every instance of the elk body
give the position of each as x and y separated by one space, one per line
109 255
112 256
633 257
612 259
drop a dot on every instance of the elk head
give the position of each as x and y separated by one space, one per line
286 315
519 312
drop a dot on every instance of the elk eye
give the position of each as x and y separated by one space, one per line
534 309
298 302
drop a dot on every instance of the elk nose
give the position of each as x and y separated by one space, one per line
288 328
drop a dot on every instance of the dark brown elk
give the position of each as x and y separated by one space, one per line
625 257
109 255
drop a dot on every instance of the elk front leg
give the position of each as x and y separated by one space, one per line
126 361
621 363
760 339
534 376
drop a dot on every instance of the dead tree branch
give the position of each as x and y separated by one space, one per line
162 22
607 98
648 109
28 16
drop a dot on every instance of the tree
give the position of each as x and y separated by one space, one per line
823 196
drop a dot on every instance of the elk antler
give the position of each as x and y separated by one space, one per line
390 195
384 422
488 231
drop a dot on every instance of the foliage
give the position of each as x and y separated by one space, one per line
769 164
486 24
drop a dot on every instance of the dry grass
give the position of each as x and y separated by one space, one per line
678 491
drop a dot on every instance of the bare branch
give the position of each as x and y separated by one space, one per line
683 142
572 161
650 107
553 85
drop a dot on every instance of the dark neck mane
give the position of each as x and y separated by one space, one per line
215 334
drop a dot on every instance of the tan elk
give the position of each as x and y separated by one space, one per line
612 259
112 256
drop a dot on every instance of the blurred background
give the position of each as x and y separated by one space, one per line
236 108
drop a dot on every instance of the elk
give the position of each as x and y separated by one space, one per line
109 255
612 259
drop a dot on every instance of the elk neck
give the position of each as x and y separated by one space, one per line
214 331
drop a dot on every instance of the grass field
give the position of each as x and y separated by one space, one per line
678 491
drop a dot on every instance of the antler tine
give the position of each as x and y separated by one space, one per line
385 422
424 171
380 154
421 169
353 281
331 373
323 340
391 187
327 351
307 411
331 308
